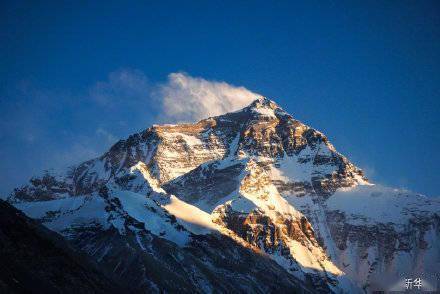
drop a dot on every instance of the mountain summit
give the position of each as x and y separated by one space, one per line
248 201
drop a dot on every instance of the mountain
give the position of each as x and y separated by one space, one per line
37 260
248 201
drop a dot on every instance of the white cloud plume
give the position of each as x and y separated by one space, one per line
126 86
182 98
186 98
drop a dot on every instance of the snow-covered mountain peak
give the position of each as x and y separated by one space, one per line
256 177
261 108
263 102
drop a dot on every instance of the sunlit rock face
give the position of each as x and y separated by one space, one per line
252 200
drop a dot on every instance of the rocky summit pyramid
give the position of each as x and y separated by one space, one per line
248 201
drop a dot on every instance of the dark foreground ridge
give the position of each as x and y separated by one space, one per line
37 260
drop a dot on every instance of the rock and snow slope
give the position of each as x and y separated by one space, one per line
231 195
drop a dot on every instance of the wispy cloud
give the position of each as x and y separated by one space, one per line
180 98
125 86
109 137
186 98
84 150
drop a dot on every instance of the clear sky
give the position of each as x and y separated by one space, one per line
76 76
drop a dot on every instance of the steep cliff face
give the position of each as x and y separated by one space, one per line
275 188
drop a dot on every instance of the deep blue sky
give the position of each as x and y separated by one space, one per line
366 73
